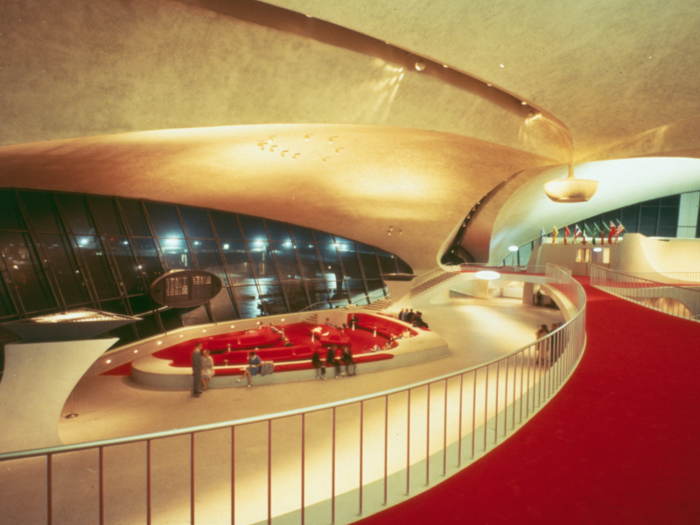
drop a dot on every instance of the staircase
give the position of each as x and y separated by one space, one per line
378 306
432 283
312 319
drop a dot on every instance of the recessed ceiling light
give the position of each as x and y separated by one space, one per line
136 351
523 103
109 361
502 65
513 248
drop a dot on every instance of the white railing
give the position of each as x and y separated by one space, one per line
356 300
324 464
476 267
672 299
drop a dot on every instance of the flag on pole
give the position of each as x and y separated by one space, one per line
577 234
542 234
566 233
587 231
613 229
620 229
555 232
604 231
596 232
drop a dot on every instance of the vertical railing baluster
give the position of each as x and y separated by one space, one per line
362 419
386 445
192 478
233 475
444 437
303 466
427 440
486 407
100 468
474 416
498 384
333 472
408 445
49 489
269 472
148 482
505 398
459 435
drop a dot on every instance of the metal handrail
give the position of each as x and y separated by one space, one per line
366 301
277 415
648 291
545 364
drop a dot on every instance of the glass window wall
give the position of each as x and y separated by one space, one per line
105 252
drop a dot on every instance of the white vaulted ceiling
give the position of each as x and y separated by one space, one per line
168 100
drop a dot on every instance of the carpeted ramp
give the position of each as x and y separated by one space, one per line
620 444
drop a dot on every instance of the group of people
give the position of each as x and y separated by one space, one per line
334 358
413 318
202 369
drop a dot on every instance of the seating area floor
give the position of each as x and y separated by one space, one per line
477 330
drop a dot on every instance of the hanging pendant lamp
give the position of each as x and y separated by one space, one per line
570 189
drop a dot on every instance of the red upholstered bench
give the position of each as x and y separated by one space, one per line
384 326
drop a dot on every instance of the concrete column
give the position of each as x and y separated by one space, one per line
37 381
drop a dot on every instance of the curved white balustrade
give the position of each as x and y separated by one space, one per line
328 464
677 295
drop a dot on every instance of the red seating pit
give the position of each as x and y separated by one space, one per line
386 326
269 346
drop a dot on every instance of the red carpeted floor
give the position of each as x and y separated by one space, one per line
620 443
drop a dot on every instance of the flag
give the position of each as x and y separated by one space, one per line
587 231
596 232
555 232
566 233
542 234
604 231
613 228
620 229
577 234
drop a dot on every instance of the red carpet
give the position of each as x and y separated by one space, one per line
620 444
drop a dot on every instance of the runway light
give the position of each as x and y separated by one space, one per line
513 248
487 275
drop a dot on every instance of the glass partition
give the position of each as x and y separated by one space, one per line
60 250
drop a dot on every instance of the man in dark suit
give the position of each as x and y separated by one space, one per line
197 370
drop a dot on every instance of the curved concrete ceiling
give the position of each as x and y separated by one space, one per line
369 180
626 182
621 77
608 70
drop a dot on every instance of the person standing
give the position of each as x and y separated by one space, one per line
207 369
197 370
318 365
331 360
349 361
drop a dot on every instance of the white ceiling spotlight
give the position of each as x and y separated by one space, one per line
570 189
420 65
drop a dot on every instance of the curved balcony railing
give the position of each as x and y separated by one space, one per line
676 293
325 464
357 300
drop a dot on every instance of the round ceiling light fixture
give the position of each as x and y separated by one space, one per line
420 65
487 275
570 189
